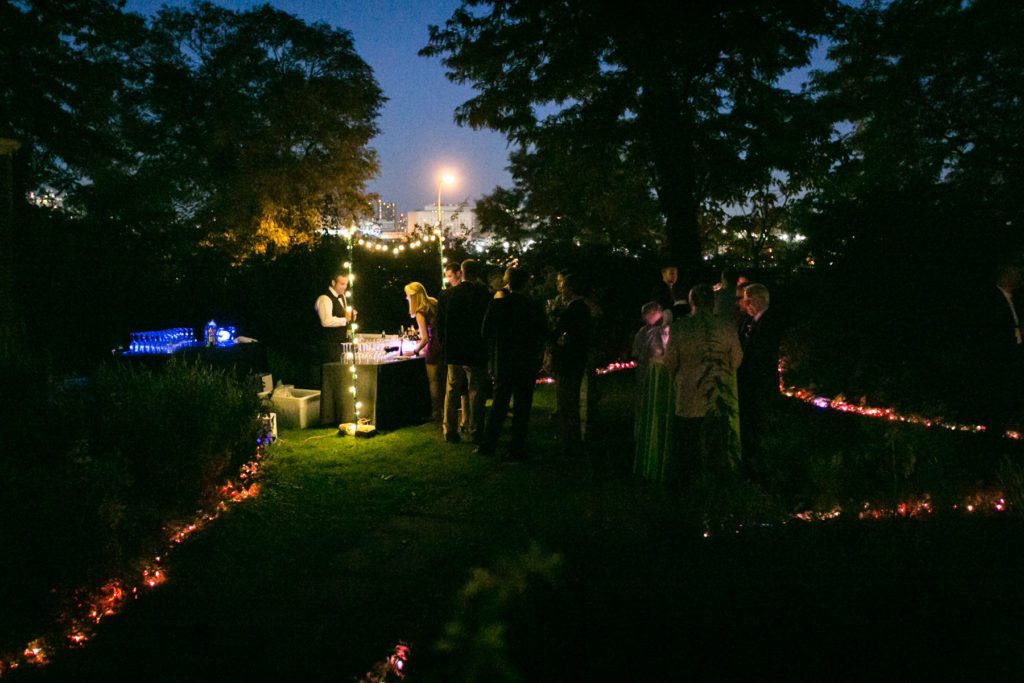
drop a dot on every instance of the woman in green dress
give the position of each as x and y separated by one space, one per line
653 411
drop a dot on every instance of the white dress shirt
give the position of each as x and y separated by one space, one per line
325 309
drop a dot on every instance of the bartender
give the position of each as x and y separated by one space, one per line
336 317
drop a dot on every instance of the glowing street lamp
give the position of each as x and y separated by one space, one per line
445 179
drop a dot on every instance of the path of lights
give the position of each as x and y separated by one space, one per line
914 507
92 605
919 507
839 403
608 369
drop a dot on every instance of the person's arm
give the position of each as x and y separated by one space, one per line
441 323
326 314
421 323
672 352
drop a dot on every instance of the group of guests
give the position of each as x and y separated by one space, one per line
707 379
707 376
479 342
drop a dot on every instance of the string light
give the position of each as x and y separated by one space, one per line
91 606
840 404
608 369
353 326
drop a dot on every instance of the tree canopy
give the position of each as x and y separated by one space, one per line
933 158
682 97
205 126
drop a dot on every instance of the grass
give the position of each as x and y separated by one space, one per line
590 575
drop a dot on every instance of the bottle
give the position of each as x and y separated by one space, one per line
210 332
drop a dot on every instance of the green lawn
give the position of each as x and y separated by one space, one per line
354 545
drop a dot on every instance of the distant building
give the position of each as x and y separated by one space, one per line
457 220
386 223
384 212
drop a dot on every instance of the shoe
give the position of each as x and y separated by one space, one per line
453 438
483 450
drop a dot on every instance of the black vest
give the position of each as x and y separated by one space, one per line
336 335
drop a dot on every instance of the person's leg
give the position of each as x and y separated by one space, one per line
682 469
475 378
567 396
456 388
496 418
436 395
522 404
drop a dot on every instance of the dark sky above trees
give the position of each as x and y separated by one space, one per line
417 131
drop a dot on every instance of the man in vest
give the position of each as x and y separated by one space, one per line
335 316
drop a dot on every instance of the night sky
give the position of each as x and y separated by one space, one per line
418 136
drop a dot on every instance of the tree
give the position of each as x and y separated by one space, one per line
234 130
62 67
575 185
690 89
933 157
256 123
759 232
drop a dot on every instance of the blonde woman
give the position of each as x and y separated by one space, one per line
423 308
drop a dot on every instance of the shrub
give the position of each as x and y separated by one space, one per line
92 473
499 622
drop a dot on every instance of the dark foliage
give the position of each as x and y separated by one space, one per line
94 470
674 100
922 202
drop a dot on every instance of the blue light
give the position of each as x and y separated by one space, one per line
161 341
226 336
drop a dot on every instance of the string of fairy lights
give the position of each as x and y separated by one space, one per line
90 607
421 244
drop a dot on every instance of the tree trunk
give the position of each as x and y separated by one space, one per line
11 327
667 123
671 142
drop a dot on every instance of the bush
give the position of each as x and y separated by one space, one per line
819 459
93 473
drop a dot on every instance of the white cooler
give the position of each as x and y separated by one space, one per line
298 410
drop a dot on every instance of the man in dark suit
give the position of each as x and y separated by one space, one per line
516 327
758 374
569 352
452 278
460 319
670 294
